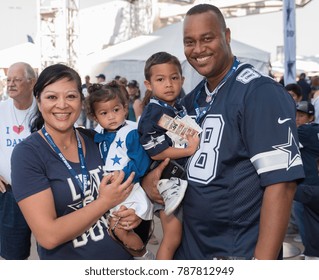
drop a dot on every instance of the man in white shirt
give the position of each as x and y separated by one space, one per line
15 116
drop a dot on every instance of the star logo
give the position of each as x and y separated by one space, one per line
290 65
288 13
290 148
119 143
154 140
116 160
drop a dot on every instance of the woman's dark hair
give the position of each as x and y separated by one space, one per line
104 93
48 76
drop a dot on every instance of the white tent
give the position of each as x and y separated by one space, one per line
26 52
303 65
128 58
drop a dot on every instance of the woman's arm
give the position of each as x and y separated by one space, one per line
51 231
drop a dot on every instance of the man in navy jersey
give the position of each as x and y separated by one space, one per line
242 178
308 190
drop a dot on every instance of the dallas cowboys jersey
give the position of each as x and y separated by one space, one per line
124 152
152 136
249 141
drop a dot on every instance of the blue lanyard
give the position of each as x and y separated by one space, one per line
85 174
109 138
177 111
200 112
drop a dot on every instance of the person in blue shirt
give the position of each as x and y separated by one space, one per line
242 178
307 193
305 87
57 177
120 149
163 77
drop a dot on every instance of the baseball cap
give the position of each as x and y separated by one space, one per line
101 76
306 107
133 83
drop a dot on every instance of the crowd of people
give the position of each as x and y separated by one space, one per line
83 164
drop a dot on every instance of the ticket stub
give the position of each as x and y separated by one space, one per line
180 126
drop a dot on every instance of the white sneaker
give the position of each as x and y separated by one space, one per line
172 190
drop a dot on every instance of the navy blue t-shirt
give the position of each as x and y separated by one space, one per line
36 167
249 141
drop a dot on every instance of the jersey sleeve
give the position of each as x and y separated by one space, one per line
270 133
152 136
139 160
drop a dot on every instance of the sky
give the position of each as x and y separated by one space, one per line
265 31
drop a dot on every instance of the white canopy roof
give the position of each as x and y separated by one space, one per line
26 52
128 58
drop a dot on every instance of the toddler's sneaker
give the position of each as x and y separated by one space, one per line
172 190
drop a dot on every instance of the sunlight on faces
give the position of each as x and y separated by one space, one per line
206 44
166 82
18 85
60 104
110 114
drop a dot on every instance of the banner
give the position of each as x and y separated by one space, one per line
289 14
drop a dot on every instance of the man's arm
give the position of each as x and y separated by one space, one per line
274 218
150 180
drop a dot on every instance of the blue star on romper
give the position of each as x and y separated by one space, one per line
116 159
119 143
